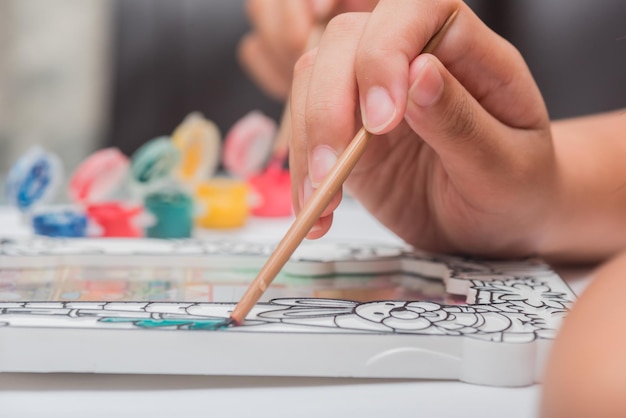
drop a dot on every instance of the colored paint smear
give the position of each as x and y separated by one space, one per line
192 324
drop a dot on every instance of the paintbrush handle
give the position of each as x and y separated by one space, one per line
313 209
303 223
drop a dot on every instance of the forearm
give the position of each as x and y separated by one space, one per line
588 222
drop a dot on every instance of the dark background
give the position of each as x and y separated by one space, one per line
174 57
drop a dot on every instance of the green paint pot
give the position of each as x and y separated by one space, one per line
173 213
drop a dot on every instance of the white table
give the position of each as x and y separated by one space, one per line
68 395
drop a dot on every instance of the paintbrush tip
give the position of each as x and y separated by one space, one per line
231 322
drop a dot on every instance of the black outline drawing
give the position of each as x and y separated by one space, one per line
507 301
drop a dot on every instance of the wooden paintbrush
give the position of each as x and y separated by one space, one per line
313 209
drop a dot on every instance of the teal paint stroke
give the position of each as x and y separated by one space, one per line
192 324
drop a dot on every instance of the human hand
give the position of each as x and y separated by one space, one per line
463 160
281 31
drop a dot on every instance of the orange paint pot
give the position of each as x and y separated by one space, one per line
223 204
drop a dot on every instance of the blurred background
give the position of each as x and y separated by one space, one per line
78 75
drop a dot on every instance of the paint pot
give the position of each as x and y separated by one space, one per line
248 144
60 222
32 183
224 203
115 219
271 191
93 184
173 213
165 197
198 142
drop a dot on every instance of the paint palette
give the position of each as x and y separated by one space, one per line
147 306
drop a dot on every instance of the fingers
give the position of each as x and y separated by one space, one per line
470 50
384 54
283 27
323 8
450 120
330 106
281 31
301 186
477 151
279 36
465 103
271 77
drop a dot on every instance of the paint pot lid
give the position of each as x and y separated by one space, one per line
248 144
34 179
153 164
98 176
199 141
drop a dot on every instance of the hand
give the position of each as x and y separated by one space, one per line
281 30
463 160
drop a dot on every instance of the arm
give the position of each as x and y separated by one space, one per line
586 371
588 222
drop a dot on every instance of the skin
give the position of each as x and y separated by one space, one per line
586 370
465 158
281 32
466 142
468 161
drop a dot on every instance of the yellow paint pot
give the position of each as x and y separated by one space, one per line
223 203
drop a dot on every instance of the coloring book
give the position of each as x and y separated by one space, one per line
346 310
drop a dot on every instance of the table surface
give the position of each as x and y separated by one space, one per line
84 395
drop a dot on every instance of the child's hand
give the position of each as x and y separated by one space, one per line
281 29
464 160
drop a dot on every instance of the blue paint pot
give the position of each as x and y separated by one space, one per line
65 223
31 184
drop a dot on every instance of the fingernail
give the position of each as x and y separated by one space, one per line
323 158
428 85
307 190
321 8
379 109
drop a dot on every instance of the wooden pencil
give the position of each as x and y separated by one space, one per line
313 209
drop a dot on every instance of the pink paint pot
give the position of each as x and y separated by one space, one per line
92 186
